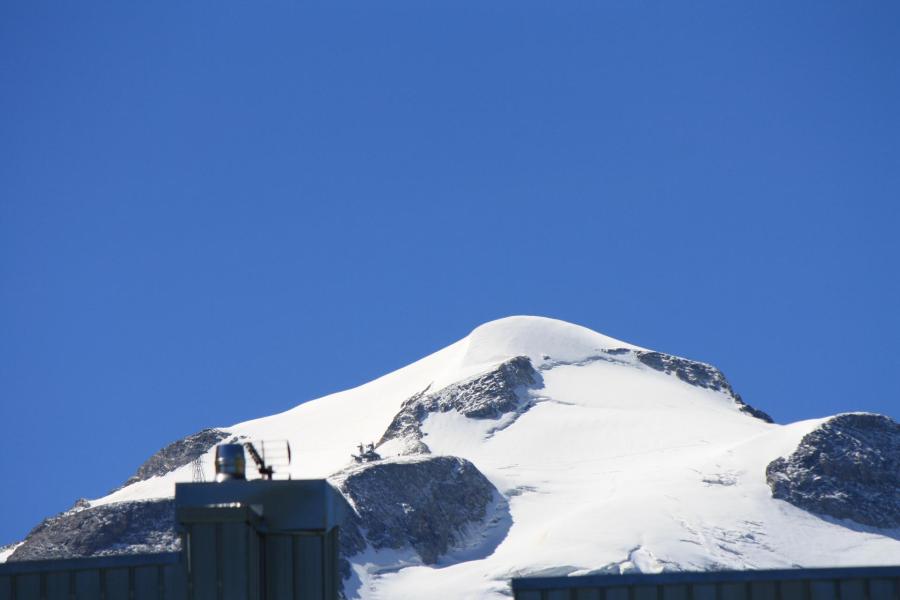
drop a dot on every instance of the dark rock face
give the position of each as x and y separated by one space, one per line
425 503
751 410
120 528
177 454
698 374
123 527
487 396
849 468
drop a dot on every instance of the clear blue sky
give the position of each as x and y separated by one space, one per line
213 211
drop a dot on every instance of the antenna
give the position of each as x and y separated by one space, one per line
197 470
264 471
267 456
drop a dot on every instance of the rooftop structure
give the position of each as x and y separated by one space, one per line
241 540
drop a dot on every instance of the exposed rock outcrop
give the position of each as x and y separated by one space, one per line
119 528
848 468
698 374
122 527
177 454
431 504
487 396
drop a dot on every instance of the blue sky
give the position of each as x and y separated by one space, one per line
212 211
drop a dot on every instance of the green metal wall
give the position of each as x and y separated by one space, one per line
221 561
226 561
144 577
867 583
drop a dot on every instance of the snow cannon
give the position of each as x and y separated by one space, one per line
230 462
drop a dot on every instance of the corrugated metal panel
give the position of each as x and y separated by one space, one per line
146 583
308 563
27 587
279 567
224 565
331 567
92 578
57 586
116 583
235 561
203 581
87 584
174 583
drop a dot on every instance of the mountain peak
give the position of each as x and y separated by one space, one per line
538 338
534 445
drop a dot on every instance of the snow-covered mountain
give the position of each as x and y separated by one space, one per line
535 446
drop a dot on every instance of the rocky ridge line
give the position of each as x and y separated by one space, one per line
847 468
177 454
487 396
118 528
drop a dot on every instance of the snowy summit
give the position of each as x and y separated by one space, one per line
538 447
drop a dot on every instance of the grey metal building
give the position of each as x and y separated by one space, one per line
247 540
864 583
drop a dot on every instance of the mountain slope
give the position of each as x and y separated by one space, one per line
571 453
